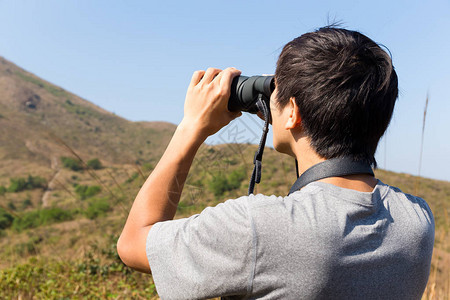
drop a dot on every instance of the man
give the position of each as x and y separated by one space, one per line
345 237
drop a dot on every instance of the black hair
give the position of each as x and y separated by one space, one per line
345 87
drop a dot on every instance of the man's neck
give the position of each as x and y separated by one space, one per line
307 157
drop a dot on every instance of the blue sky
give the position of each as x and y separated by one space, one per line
135 58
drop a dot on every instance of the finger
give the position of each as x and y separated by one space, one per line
196 77
210 74
227 76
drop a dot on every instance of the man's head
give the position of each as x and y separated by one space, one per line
345 88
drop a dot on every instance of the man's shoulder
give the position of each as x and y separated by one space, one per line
396 194
319 196
255 203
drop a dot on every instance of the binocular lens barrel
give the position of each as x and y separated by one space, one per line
245 91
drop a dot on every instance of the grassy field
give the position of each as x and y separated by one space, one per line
77 258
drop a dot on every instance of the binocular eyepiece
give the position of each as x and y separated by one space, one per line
246 90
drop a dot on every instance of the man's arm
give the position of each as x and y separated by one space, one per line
205 113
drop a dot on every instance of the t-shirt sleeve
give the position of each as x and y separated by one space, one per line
207 255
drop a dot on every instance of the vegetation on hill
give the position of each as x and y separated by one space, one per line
45 247
98 274
29 183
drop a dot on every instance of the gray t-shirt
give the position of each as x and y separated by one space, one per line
322 242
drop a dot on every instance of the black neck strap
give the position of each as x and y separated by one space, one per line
331 168
263 106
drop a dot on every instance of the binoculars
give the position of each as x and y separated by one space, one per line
245 92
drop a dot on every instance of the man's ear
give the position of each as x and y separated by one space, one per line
294 118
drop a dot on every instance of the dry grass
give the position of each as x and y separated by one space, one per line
438 286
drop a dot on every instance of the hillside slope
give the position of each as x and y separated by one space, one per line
40 122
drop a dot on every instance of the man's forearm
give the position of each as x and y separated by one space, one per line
159 196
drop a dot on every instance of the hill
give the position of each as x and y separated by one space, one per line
69 172
40 122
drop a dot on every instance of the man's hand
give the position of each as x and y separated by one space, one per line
206 104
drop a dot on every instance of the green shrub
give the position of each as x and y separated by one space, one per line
86 191
11 206
97 207
30 247
26 203
28 220
21 184
231 161
37 218
17 185
132 177
235 178
94 164
92 191
34 182
198 183
2 190
146 167
72 164
218 185
54 215
275 183
6 219
80 190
